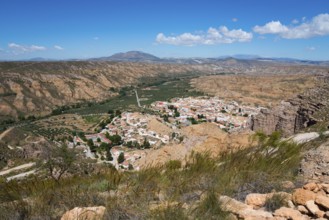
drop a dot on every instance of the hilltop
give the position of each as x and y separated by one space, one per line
130 56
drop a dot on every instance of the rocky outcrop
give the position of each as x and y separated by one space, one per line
295 114
315 164
87 213
309 202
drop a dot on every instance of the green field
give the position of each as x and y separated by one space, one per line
162 92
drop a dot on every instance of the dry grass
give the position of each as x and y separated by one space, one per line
159 192
257 90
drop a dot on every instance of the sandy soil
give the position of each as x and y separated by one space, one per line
206 137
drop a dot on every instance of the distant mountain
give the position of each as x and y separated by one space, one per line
294 61
130 56
40 59
241 59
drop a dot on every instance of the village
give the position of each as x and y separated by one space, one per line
229 116
125 139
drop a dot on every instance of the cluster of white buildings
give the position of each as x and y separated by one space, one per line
132 127
228 115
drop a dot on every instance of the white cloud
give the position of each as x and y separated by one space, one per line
318 26
23 48
273 27
58 47
234 19
295 21
311 48
221 35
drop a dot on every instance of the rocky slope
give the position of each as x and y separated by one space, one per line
314 166
297 113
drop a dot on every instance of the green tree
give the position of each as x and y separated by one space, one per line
165 118
146 144
121 157
109 156
116 139
129 144
58 161
105 146
91 145
177 114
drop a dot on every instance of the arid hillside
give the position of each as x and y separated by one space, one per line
201 138
265 90
33 88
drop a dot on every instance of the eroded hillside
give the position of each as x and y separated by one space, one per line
266 90
33 88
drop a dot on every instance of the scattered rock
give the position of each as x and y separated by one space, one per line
256 200
311 186
314 166
312 207
87 213
290 214
302 209
303 204
320 214
327 214
322 201
290 204
301 196
232 205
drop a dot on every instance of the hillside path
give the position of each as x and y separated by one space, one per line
3 134
24 166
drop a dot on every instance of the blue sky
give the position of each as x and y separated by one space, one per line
62 29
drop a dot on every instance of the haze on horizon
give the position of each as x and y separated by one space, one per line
209 28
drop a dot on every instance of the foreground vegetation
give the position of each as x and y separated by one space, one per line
174 194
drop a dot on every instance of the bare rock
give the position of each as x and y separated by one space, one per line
322 201
254 214
290 214
320 214
312 207
311 186
294 114
315 165
301 196
325 187
303 209
290 204
87 213
256 200
232 205
241 209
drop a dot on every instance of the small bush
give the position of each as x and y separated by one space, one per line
173 164
275 202
173 212
210 208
